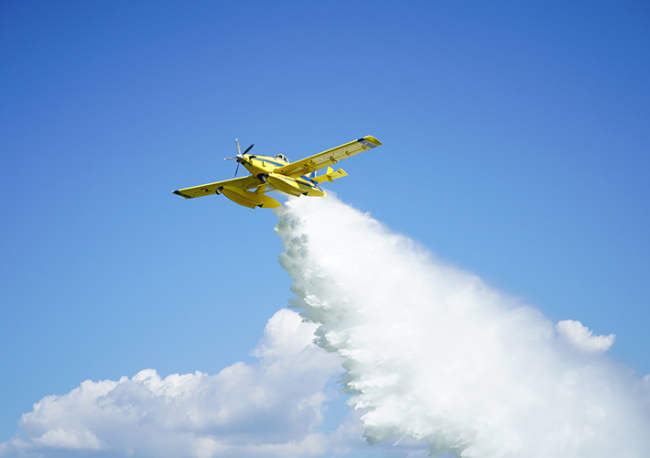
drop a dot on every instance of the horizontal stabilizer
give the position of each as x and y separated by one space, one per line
330 175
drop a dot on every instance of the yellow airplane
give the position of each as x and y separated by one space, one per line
277 173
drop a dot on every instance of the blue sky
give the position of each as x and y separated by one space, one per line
515 146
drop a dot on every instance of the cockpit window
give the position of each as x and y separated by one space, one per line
282 158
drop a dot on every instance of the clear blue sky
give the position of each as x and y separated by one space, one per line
516 146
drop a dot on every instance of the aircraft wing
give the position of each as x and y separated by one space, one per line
211 188
328 158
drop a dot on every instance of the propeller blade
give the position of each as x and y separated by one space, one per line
240 157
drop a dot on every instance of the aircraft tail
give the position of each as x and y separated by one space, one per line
330 176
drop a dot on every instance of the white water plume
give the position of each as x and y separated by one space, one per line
433 353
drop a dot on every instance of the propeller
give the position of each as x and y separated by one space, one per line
240 158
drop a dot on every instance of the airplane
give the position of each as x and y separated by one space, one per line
270 173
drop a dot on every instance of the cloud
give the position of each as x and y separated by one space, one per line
434 354
82 439
581 337
268 409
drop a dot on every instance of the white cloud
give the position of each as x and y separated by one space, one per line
434 354
268 409
81 439
581 337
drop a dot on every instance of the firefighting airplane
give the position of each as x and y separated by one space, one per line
277 173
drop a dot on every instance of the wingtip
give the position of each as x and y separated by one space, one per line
178 193
371 141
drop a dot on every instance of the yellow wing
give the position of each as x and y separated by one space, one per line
211 188
328 158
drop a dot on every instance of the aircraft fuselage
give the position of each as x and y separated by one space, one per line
263 167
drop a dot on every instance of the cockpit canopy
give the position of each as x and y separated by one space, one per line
282 157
